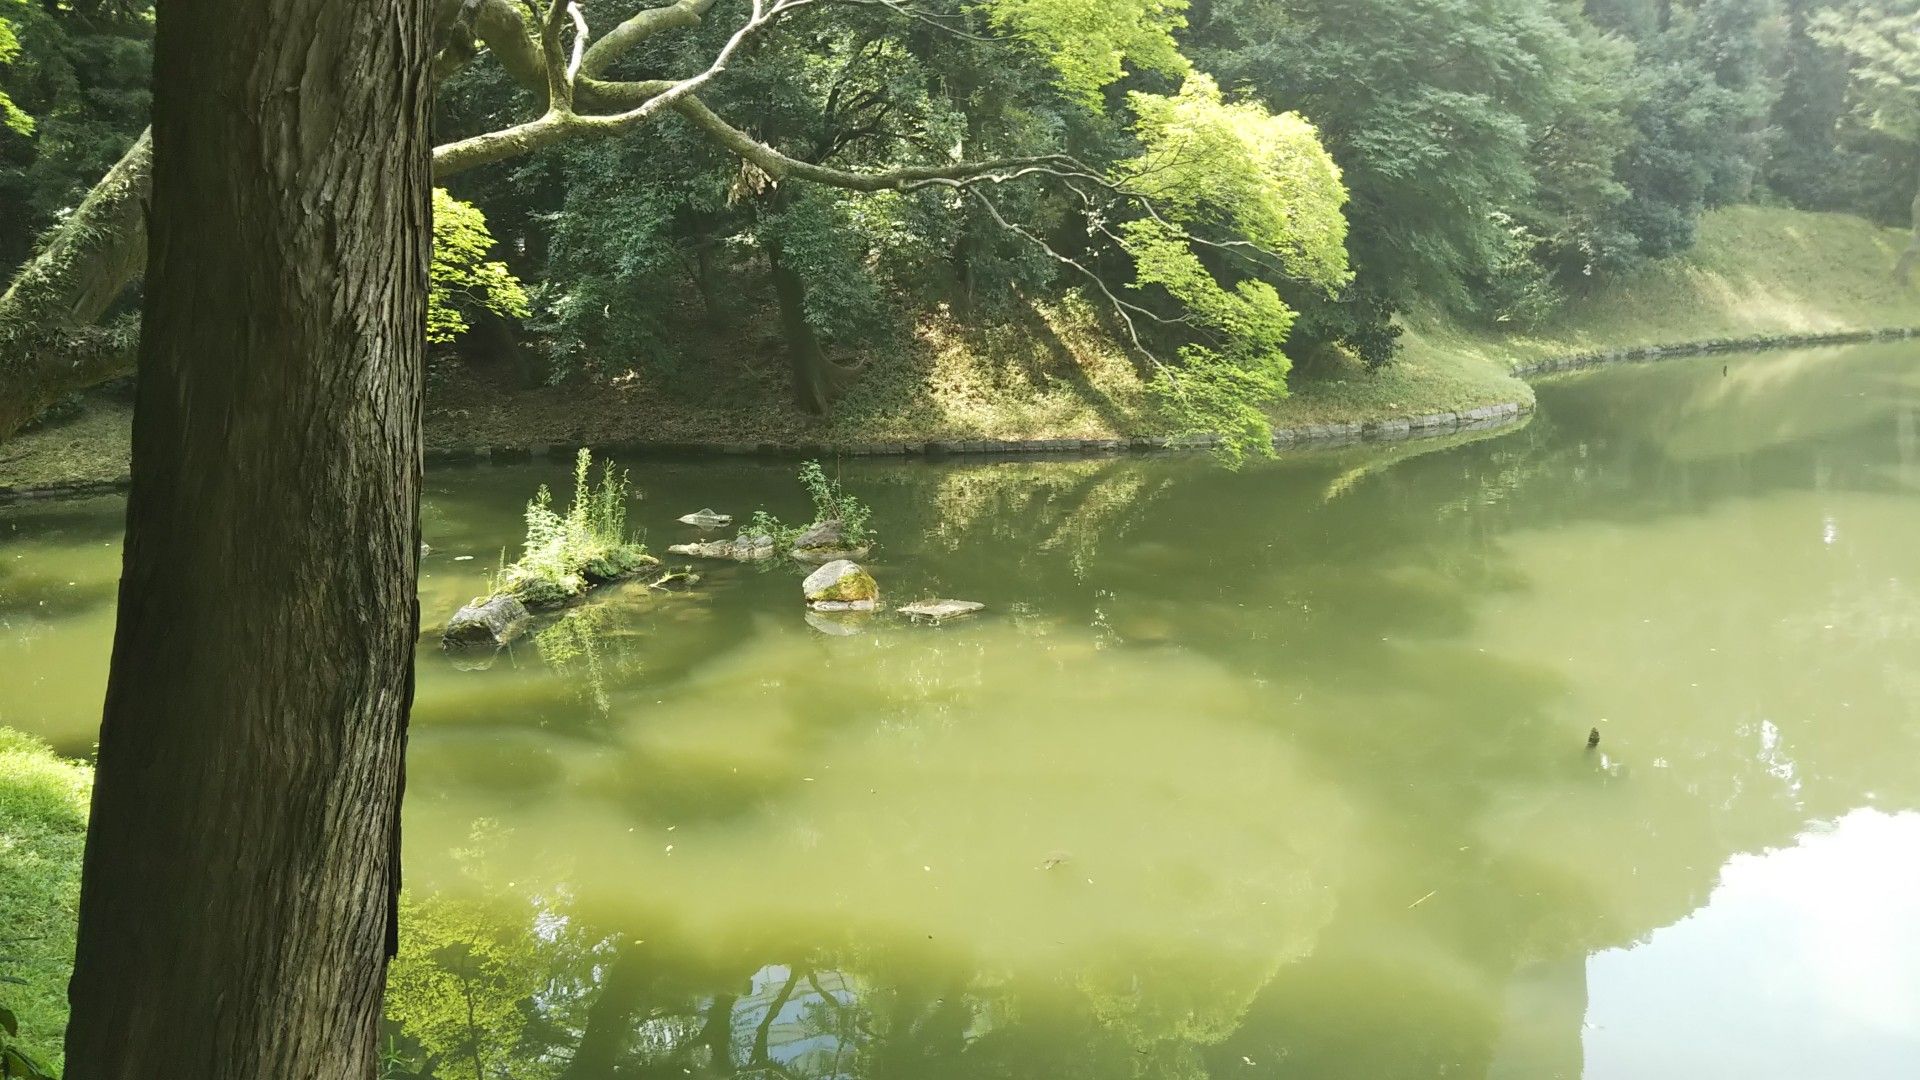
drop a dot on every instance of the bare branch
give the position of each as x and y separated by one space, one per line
579 42
553 59
1122 308
502 24
902 178
640 27
931 18
560 121
763 16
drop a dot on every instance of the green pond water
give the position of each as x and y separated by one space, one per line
1280 773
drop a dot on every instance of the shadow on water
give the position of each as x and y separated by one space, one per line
1281 772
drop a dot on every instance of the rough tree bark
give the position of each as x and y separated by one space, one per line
237 899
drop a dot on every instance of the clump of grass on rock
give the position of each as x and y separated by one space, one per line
839 519
565 554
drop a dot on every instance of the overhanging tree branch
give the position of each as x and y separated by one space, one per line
616 42
560 121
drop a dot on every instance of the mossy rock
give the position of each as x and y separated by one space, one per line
545 592
617 564
840 582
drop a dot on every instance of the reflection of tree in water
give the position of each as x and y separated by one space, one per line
505 971
1498 853
1069 505
574 645
488 990
459 990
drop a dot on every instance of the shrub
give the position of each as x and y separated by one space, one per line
565 554
765 524
830 503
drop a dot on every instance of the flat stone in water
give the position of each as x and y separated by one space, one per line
742 549
679 579
941 610
707 519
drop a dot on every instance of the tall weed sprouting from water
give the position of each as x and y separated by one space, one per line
564 553
830 503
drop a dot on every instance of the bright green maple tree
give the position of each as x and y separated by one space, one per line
463 278
11 116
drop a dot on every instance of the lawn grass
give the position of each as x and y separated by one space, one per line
43 822
1756 271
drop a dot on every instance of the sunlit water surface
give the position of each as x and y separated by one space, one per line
1278 773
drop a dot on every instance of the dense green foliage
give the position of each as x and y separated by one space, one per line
12 117
1238 189
1882 40
80 73
43 821
1504 156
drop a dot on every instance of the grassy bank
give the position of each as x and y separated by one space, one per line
43 822
1756 271
1055 375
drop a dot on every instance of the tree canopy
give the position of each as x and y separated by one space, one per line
1242 187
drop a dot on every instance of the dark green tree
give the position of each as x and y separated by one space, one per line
81 74
1882 40
1260 199
1704 86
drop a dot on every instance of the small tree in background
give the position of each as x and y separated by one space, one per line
1883 39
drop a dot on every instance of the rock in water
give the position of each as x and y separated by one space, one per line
822 535
825 542
936 611
493 621
707 519
841 585
740 549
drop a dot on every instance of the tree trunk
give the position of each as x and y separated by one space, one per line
813 388
237 898
701 269
496 337
613 1016
49 345
1903 270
